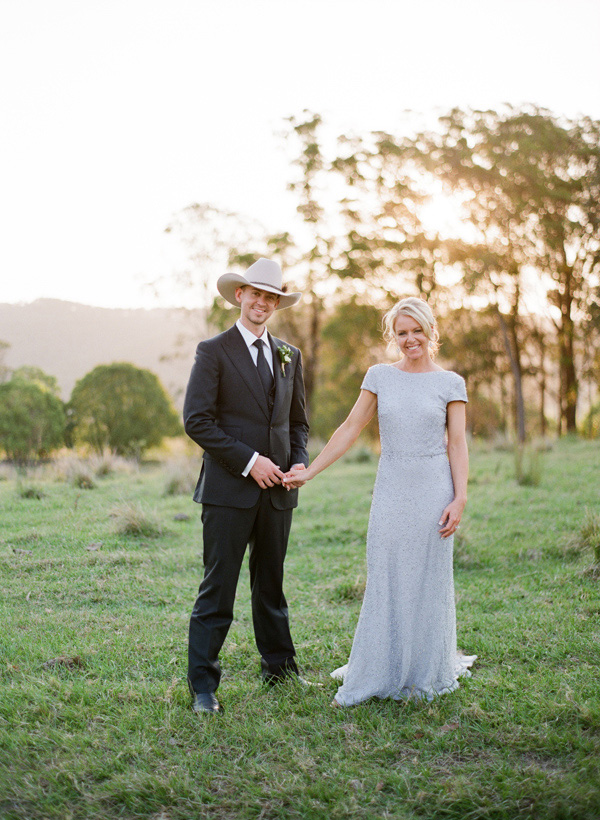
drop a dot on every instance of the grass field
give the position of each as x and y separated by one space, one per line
106 730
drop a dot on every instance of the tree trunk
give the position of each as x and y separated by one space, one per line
515 366
542 383
311 353
566 346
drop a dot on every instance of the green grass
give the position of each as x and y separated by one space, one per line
109 734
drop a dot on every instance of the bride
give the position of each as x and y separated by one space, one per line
405 641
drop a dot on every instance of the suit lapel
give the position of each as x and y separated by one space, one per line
237 351
281 381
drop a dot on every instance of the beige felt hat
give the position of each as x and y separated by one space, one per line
264 274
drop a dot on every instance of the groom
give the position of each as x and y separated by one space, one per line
244 406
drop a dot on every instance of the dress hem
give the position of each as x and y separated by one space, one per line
406 693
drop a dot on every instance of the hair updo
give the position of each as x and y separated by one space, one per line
416 309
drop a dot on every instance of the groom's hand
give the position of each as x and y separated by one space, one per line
266 473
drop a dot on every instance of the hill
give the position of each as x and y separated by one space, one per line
67 340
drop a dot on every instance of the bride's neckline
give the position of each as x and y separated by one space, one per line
416 372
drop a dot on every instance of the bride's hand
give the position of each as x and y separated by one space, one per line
450 518
293 478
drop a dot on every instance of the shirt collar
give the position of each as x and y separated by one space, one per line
249 337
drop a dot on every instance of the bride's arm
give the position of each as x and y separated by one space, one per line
341 441
458 456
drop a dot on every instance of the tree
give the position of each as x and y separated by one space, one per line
32 421
351 343
4 369
35 375
123 408
533 186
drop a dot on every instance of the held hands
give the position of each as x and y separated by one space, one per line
450 518
293 478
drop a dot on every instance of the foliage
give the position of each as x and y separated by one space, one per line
4 369
351 342
29 374
513 281
32 420
123 408
590 426
530 182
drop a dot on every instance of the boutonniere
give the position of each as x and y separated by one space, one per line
285 356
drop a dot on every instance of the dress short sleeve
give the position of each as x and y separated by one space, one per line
457 390
370 380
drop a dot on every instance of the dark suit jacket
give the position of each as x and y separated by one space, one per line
226 413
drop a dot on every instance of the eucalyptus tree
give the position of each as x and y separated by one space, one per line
531 189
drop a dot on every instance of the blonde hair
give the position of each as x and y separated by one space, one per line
416 309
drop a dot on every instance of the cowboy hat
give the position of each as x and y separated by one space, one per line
264 274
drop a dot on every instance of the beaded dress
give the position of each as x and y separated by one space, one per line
405 641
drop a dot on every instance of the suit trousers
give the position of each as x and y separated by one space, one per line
227 531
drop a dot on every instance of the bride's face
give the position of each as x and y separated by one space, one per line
411 339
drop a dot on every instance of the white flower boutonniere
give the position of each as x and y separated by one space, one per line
285 356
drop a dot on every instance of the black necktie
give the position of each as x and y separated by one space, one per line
264 371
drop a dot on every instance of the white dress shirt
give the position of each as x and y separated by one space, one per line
250 338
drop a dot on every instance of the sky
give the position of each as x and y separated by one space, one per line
118 115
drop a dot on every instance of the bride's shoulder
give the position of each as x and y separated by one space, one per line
372 377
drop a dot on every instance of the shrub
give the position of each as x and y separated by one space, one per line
32 421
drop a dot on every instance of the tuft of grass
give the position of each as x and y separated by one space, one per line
350 591
110 464
73 471
82 478
131 518
29 491
588 536
7 472
528 465
181 477
359 455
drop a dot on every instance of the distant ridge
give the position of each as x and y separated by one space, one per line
68 339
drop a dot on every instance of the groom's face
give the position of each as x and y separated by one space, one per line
257 307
